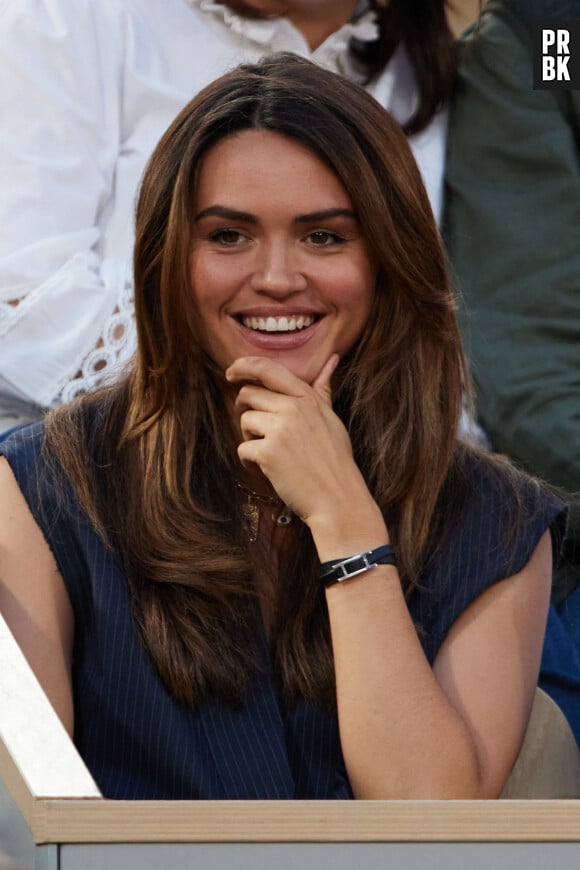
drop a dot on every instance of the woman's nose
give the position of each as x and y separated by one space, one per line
277 271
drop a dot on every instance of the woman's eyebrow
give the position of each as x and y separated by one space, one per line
323 215
224 212
235 215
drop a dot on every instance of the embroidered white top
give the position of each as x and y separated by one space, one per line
86 90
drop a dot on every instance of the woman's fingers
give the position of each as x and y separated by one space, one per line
257 398
267 373
265 379
290 431
253 424
274 376
322 385
250 455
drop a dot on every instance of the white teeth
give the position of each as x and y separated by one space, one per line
278 324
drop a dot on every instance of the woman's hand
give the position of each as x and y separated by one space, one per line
292 434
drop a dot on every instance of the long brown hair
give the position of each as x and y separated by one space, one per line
421 25
153 459
423 28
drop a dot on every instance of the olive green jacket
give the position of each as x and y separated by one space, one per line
512 229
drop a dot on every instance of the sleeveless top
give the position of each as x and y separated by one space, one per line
139 743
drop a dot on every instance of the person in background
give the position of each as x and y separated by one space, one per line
262 564
512 230
86 90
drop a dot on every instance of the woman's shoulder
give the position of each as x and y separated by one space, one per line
35 463
53 501
490 519
501 508
22 449
489 484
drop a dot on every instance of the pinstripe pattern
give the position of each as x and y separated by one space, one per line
138 743
479 553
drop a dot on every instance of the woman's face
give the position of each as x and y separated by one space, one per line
279 263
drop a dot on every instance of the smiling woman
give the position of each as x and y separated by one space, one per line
280 266
262 566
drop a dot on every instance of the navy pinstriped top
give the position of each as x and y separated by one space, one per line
139 743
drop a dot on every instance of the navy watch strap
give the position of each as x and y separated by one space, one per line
338 570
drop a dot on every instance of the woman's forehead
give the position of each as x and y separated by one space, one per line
249 163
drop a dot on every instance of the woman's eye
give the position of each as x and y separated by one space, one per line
228 238
324 238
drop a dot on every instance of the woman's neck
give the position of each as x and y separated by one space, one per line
316 28
462 14
315 20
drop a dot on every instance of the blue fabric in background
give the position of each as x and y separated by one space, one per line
560 668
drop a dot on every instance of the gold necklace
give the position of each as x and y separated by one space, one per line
281 513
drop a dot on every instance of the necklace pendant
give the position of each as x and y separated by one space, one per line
251 513
283 517
281 514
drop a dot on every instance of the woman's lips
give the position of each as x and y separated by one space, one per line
290 323
283 332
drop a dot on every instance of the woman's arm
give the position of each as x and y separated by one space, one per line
59 146
33 598
452 732
407 730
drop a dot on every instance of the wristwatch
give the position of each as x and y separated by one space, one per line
336 571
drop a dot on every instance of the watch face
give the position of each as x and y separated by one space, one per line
344 569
